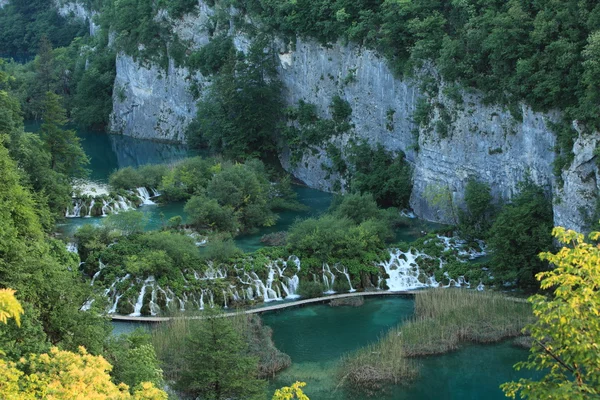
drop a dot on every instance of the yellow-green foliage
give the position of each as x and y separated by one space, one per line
9 306
61 374
291 392
567 332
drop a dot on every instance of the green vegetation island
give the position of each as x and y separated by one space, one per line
277 199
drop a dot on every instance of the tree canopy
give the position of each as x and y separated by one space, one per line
566 335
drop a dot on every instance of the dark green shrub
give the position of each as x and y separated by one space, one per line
310 289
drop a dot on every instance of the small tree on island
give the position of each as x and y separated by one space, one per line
566 335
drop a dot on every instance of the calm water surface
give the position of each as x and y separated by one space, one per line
316 337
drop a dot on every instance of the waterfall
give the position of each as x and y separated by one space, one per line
72 247
403 270
105 207
154 308
326 281
345 272
117 296
140 300
144 196
102 266
123 204
481 287
224 299
155 193
76 209
453 243
87 305
89 213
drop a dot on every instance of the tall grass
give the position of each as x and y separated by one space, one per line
444 318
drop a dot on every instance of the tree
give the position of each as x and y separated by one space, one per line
218 366
291 392
128 222
134 359
67 155
522 230
61 374
44 64
10 307
240 114
475 220
567 332
44 274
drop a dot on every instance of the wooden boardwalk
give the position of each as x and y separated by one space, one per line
274 307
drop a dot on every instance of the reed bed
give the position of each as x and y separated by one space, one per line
444 319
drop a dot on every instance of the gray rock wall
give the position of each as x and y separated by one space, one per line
77 10
151 103
483 142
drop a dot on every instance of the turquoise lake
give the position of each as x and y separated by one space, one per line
316 337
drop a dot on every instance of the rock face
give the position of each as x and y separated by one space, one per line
481 141
151 103
75 9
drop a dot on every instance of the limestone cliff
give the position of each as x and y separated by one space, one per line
481 141
76 9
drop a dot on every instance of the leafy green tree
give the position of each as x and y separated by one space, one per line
239 115
93 100
387 176
356 207
208 213
67 155
24 22
218 366
475 220
44 274
127 222
338 240
133 359
45 65
521 231
567 331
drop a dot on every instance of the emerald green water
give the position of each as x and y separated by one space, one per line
108 153
316 337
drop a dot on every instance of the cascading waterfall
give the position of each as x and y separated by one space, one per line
111 203
403 271
75 210
345 272
328 281
144 195
280 281
116 296
140 300
72 247
97 274
459 245
154 308
87 305
89 213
